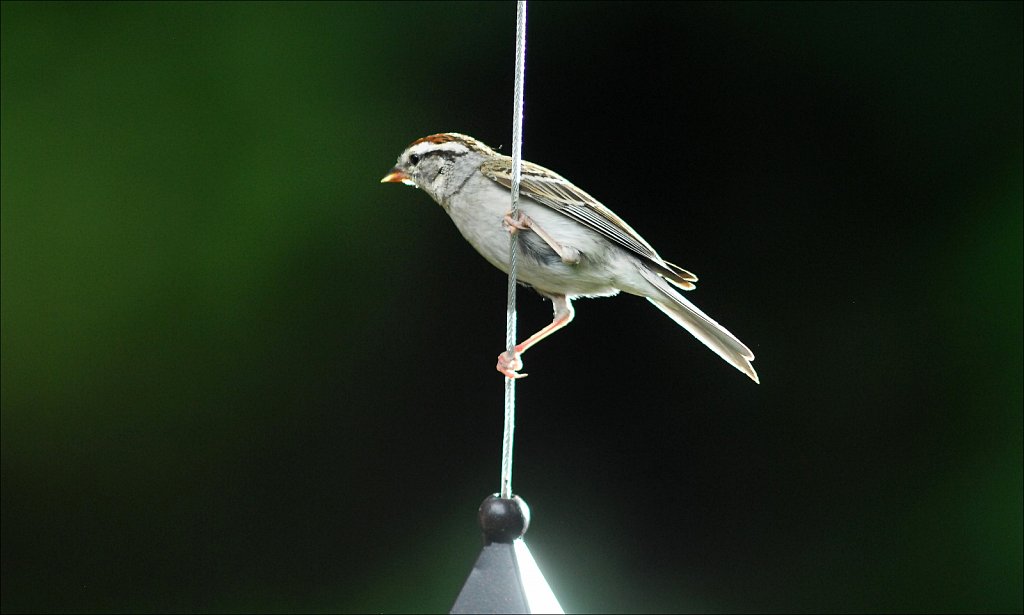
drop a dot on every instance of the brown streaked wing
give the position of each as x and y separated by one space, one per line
551 189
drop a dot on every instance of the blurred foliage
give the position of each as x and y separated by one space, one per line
239 375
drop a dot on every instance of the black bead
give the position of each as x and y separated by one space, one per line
503 519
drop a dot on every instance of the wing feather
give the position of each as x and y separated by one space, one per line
553 190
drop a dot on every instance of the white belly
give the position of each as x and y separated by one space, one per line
538 265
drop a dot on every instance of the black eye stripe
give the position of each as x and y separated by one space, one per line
415 159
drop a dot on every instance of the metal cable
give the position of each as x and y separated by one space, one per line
510 321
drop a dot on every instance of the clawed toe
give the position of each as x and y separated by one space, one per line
512 225
509 365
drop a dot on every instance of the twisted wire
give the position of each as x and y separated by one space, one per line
510 321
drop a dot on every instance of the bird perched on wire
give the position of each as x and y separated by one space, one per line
570 245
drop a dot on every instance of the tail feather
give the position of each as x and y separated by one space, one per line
703 327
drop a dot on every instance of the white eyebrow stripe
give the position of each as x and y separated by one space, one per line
451 146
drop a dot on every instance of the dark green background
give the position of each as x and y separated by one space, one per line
239 374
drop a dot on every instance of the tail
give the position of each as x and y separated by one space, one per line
701 326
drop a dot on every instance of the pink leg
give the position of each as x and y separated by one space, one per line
510 365
568 254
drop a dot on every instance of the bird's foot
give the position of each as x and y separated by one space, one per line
513 225
510 364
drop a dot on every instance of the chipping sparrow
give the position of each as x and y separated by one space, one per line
569 244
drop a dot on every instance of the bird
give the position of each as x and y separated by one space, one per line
570 245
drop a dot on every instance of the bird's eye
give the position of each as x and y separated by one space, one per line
414 159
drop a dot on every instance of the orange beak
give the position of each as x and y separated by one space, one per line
396 176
